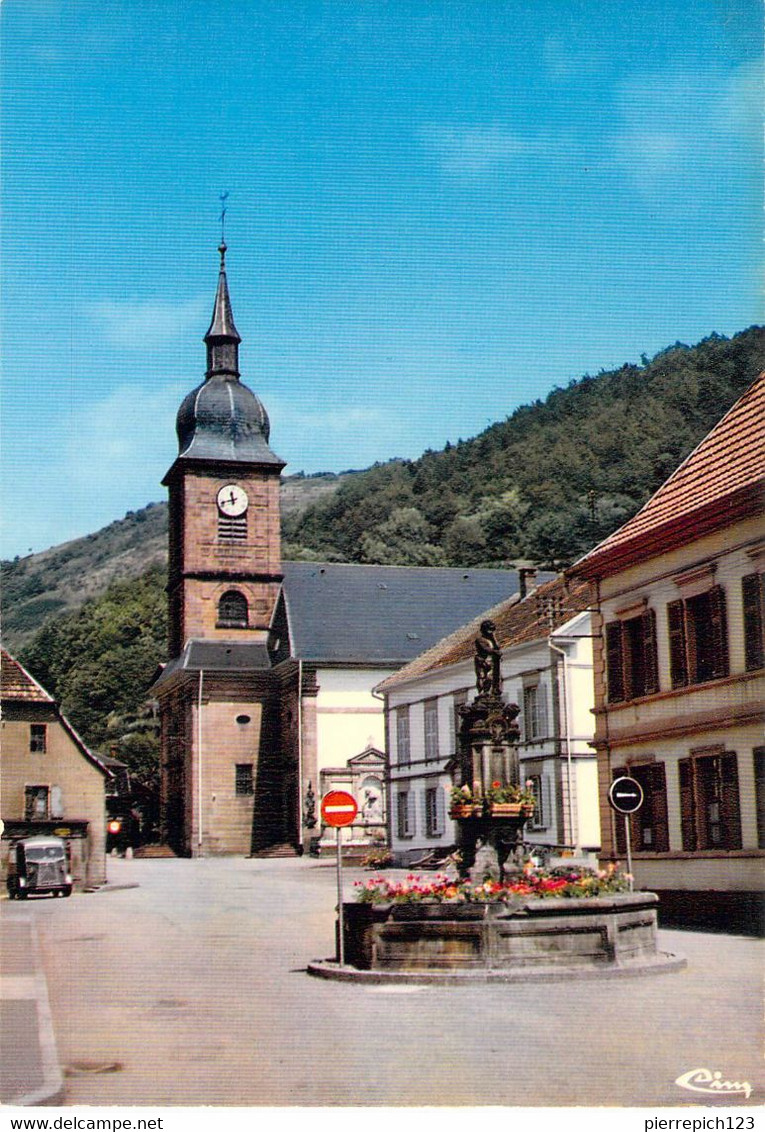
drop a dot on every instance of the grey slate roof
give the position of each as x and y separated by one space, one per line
216 656
341 613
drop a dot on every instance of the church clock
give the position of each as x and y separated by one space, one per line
232 500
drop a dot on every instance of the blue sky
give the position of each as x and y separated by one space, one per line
438 210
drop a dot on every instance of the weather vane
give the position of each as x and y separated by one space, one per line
223 198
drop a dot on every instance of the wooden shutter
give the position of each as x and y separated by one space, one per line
655 785
650 661
730 809
718 631
687 804
754 645
678 668
759 793
615 662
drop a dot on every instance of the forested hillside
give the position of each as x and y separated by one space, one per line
543 485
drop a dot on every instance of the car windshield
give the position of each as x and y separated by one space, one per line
44 853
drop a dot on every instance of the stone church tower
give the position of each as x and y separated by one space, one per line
220 725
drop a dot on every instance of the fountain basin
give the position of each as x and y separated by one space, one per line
526 939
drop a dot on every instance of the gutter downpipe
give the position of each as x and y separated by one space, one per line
300 754
199 757
574 826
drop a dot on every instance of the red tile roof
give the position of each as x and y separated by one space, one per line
17 684
517 622
719 483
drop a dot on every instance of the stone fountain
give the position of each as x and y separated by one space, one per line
489 806
491 939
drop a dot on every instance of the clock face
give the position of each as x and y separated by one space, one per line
232 500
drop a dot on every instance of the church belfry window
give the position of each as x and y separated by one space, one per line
233 611
232 529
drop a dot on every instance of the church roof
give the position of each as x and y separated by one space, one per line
342 613
719 483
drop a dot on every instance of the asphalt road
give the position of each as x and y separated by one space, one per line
190 989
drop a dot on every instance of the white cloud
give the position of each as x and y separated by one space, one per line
475 149
287 417
127 324
564 59
678 127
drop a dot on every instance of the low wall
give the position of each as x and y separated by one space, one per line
533 933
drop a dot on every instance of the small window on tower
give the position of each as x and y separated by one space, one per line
244 779
232 610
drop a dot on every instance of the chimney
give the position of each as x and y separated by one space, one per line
527 580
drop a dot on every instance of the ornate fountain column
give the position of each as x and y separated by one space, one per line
489 804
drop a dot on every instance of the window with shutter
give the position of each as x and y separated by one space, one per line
631 660
698 638
430 712
402 736
402 814
709 799
753 593
433 811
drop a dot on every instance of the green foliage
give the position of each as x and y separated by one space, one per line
551 480
98 662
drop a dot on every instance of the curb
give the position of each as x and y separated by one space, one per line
34 987
665 963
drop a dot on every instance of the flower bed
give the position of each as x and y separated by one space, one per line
557 921
440 889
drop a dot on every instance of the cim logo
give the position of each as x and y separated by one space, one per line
704 1081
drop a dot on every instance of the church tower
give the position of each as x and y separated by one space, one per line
216 694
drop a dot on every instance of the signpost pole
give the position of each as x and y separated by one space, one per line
340 941
339 808
628 835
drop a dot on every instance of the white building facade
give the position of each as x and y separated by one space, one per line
549 675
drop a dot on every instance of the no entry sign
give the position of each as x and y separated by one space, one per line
625 795
338 808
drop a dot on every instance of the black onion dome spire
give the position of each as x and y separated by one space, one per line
222 419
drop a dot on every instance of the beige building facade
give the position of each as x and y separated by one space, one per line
679 677
50 783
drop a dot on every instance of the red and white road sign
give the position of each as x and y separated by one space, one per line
338 808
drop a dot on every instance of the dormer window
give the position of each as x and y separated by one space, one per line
233 611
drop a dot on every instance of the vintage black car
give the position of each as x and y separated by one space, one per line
38 866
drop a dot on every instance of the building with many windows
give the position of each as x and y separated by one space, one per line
679 675
546 669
